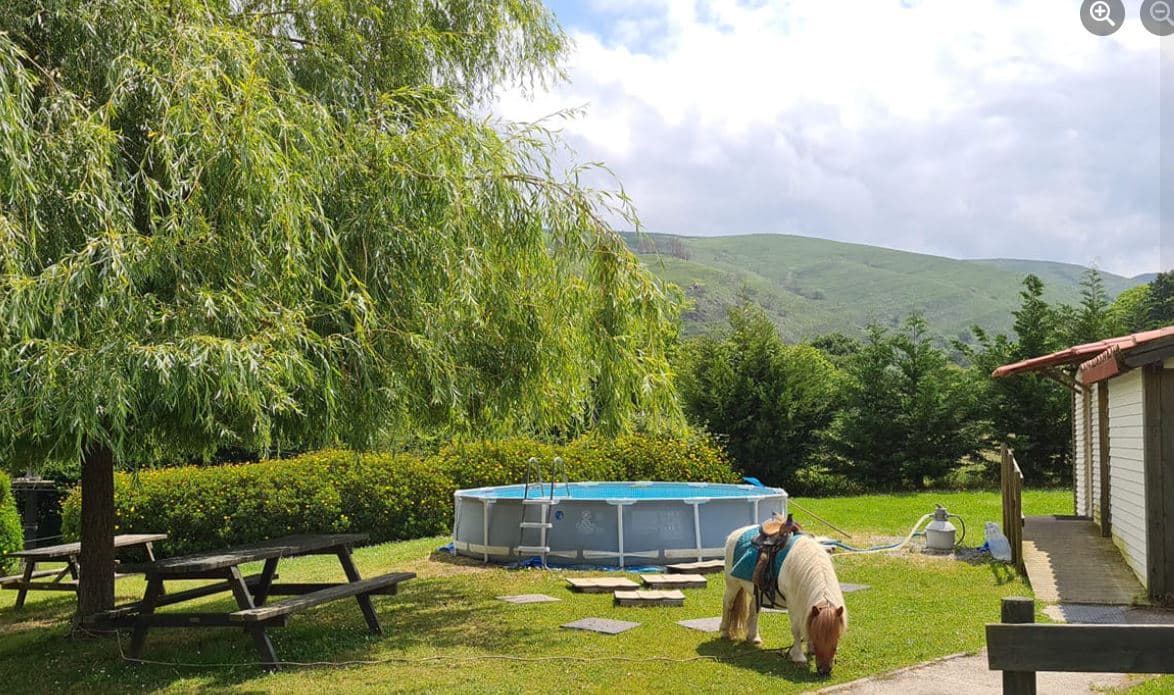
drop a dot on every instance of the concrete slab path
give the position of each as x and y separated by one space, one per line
1068 561
969 674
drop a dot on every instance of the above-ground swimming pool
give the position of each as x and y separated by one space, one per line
608 523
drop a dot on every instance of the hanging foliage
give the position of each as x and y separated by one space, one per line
230 224
272 222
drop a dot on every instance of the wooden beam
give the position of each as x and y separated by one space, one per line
1155 351
1157 510
1086 421
1081 648
1063 379
1105 473
1018 610
1164 379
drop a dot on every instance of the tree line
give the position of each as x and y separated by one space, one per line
901 409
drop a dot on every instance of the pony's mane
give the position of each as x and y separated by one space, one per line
825 626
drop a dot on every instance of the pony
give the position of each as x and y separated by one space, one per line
813 598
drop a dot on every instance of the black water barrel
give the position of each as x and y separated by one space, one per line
39 502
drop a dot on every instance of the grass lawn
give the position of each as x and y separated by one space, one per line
446 632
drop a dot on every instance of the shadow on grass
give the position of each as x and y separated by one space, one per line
1000 571
770 662
58 608
448 558
428 613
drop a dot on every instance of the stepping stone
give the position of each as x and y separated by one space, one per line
848 588
674 581
706 567
702 624
650 598
528 598
602 625
600 585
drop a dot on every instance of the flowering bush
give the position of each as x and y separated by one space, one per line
385 496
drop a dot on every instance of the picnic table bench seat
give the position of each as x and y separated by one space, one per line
384 584
37 574
124 616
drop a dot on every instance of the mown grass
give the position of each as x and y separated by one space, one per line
450 632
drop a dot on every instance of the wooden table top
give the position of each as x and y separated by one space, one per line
286 546
57 552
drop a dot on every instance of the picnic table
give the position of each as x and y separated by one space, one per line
253 613
67 553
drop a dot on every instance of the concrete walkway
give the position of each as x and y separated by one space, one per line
1068 561
969 674
1070 565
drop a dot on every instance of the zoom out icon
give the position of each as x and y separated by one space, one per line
1157 16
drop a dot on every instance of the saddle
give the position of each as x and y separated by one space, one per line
772 538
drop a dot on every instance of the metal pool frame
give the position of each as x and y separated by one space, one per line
575 527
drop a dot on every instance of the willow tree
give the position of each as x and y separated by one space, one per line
256 223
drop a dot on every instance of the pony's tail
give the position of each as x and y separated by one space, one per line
739 615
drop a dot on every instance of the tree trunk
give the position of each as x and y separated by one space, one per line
96 585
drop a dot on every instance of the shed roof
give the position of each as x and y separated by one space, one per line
1099 360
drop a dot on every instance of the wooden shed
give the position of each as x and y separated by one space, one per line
1123 443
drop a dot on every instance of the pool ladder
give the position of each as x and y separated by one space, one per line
543 502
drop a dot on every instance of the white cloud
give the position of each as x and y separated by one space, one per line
976 128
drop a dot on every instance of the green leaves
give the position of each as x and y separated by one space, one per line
768 400
910 415
262 224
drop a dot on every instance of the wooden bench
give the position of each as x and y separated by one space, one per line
385 584
1020 648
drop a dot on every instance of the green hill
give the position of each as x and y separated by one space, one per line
813 286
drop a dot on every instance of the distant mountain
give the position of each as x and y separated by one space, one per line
811 286
1055 273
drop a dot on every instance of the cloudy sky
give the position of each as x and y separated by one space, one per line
966 129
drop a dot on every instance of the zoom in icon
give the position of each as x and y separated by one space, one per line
1103 17
1157 16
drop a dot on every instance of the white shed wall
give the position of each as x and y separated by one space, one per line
1127 469
1078 455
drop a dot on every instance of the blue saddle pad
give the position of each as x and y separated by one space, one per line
746 555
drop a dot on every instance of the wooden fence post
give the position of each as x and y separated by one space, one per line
1017 609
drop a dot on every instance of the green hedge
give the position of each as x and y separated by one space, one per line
631 457
11 531
387 496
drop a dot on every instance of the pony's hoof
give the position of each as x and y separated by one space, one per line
757 641
797 658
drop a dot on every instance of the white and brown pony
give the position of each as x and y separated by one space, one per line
814 602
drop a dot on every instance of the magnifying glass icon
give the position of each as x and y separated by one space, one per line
1099 12
1160 11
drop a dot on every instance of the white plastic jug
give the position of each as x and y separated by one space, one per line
998 544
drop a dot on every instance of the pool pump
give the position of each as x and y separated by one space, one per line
940 533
